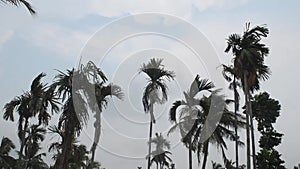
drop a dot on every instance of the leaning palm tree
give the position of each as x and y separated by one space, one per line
18 3
30 104
188 110
69 87
6 161
249 54
157 74
160 155
102 93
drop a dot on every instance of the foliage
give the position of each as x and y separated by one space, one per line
266 111
19 3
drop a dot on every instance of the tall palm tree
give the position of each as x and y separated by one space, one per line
18 3
68 87
30 104
249 54
102 93
230 75
160 155
157 74
6 161
188 110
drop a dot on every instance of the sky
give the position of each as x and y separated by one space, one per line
62 32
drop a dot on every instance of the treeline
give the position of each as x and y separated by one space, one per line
204 117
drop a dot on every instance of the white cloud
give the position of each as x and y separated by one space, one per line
181 8
205 4
58 39
115 8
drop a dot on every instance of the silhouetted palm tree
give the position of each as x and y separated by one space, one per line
188 110
229 74
69 87
31 104
156 83
249 54
19 3
32 159
160 155
6 161
102 93
78 158
222 131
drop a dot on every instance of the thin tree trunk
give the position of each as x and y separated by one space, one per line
190 156
93 149
150 135
252 132
235 127
97 134
206 144
247 121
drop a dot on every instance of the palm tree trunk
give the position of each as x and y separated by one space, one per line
247 121
235 125
23 138
97 134
28 149
67 146
190 156
206 144
150 135
93 149
252 132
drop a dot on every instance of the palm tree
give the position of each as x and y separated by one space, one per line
68 87
32 159
102 93
194 113
249 54
18 3
160 155
229 75
157 74
188 110
31 104
78 154
6 161
222 131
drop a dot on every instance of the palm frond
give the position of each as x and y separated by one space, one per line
18 3
172 112
10 107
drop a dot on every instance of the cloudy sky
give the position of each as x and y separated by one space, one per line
62 31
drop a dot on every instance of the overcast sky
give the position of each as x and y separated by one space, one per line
60 32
